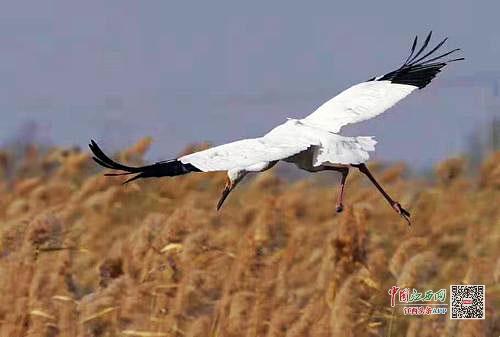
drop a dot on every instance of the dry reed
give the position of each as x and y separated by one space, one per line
81 255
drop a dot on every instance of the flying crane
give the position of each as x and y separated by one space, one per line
312 143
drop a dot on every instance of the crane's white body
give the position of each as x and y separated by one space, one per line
311 142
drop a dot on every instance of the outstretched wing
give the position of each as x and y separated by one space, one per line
281 142
371 98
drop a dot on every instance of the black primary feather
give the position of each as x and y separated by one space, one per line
426 43
167 168
412 48
429 53
418 71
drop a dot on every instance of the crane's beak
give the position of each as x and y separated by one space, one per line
227 189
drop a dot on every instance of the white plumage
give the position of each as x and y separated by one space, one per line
312 143
358 103
284 141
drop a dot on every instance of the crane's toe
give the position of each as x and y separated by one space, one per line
401 211
339 208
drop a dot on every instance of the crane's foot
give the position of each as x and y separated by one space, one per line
339 208
401 211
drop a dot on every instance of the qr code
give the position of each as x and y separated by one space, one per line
467 301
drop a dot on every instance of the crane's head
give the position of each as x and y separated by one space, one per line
233 178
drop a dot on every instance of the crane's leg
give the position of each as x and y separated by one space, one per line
394 204
344 170
340 206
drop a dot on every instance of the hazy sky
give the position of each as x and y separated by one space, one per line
193 71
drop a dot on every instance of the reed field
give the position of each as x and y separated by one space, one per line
83 255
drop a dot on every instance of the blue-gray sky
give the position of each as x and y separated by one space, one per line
185 72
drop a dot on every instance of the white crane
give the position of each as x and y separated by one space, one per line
312 143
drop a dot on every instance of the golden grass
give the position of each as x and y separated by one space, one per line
81 255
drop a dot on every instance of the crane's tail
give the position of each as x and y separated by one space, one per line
167 168
344 150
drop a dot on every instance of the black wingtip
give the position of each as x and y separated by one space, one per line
167 168
422 48
421 67
92 144
429 53
102 159
438 57
414 45
414 42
